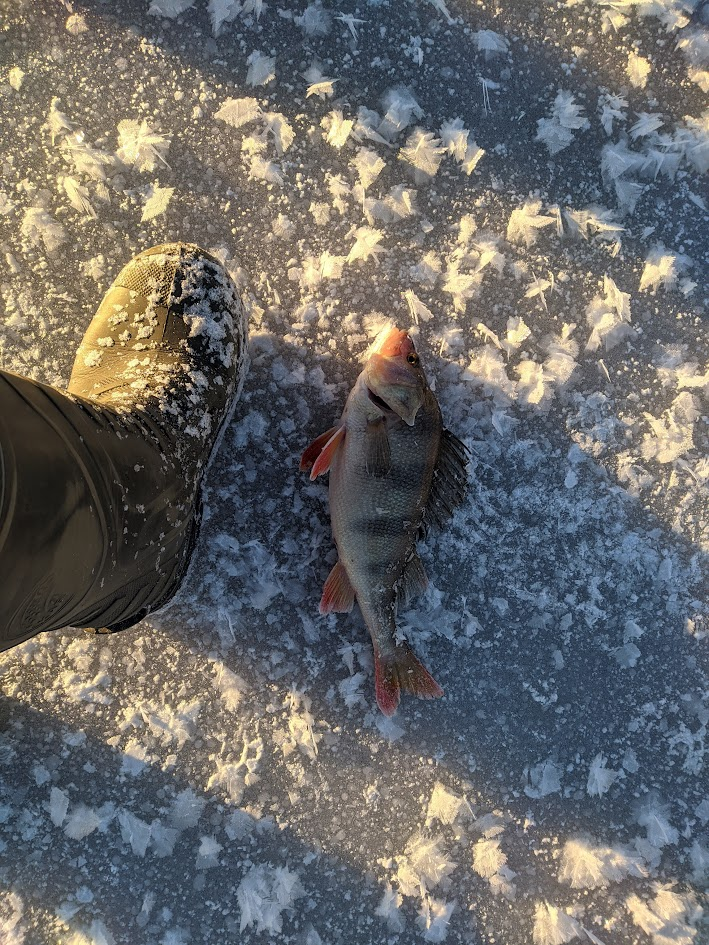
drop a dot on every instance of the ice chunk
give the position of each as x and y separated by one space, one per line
135 832
543 779
58 806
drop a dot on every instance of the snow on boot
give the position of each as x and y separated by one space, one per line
100 485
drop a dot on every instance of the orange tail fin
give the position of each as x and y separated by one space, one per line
401 670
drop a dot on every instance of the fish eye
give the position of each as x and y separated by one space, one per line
413 359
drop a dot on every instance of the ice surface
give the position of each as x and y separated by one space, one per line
220 772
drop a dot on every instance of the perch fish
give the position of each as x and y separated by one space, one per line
393 470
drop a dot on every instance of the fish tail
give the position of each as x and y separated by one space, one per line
399 670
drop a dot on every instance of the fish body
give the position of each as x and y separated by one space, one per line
391 462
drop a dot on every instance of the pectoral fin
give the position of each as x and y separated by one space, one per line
327 453
338 594
377 452
450 479
311 453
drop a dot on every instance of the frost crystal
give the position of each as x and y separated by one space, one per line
135 832
261 69
82 821
78 197
368 165
337 128
170 9
673 434
400 107
389 909
423 865
525 223
586 866
419 312
140 146
566 116
670 917
552 926
366 244
638 69
423 152
653 816
58 806
158 199
39 227
609 317
239 111
491 43
443 805
221 12
600 778
662 269
264 894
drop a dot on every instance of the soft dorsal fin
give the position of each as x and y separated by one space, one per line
377 457
450 479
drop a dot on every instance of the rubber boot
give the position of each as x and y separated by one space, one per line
100 484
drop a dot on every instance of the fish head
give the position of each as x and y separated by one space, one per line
394 377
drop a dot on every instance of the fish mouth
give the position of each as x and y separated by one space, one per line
378 402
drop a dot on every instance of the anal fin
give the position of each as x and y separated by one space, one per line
377 456
338 594
412 582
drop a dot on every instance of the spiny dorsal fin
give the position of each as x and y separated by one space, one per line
377 452
450 479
